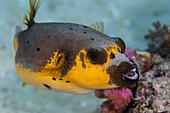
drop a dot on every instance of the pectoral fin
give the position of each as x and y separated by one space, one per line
24 84
55 67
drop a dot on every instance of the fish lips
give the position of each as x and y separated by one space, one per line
125 74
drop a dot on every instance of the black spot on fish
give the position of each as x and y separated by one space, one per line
82 59
71 28
60 79
47 86
85 26
38 49
27 42
112 56
48 36
84 32
77 25
92 39
67 81
54 78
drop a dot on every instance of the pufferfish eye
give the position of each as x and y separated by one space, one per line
97 56
93 56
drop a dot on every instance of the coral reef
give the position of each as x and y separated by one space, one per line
152 96
130 54
152 93
141 58
160 38
118 99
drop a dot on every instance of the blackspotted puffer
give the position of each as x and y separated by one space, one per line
70 57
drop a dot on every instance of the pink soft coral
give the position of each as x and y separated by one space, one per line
141 58
118 99
130 53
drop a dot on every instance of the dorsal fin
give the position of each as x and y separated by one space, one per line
99 26
29 20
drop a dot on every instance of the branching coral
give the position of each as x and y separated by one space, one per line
160 38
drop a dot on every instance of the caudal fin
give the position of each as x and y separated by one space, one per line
29 20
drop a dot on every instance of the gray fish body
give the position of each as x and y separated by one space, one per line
38 43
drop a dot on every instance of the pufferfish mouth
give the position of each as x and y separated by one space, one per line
124 74
131 74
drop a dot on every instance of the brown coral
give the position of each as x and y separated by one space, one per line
160 40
